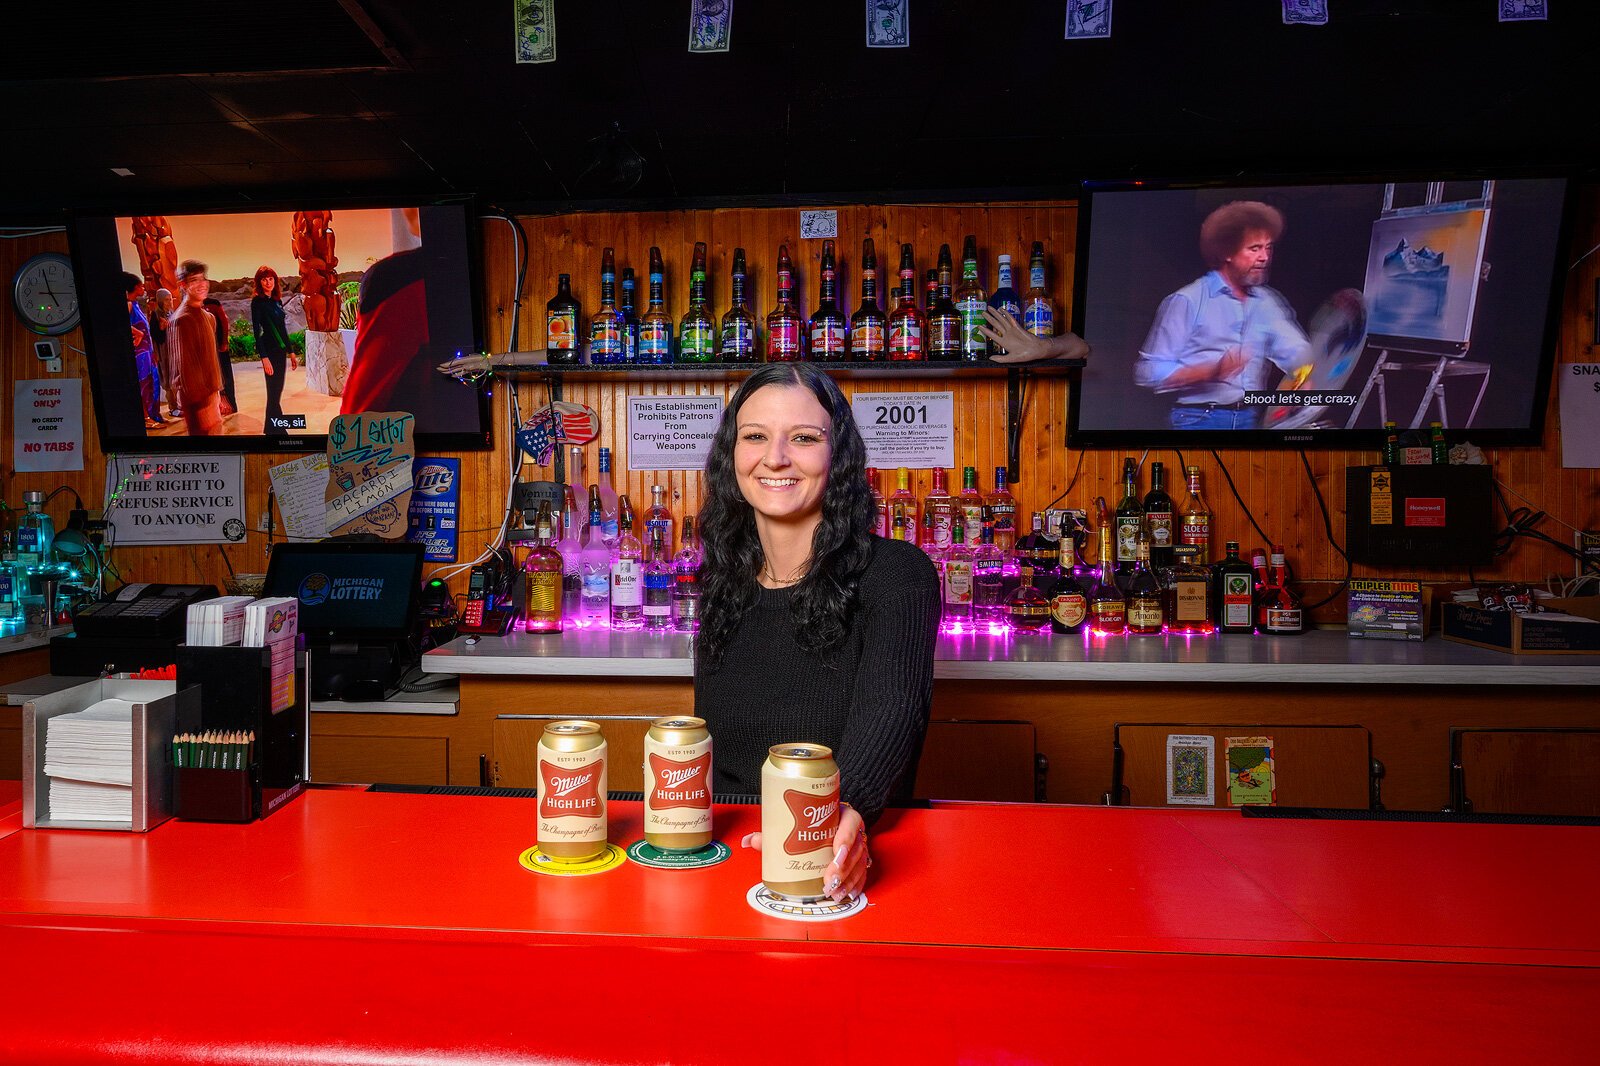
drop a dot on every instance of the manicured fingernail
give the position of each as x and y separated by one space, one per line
838 856
833 886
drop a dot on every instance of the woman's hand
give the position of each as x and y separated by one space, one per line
846 876
266 367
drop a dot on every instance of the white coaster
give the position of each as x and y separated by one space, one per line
825 910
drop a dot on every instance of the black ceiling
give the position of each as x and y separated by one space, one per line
349 98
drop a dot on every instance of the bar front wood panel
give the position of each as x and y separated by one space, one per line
1313 766
1507 772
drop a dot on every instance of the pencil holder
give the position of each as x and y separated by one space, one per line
206 795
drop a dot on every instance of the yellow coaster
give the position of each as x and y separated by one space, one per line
537 861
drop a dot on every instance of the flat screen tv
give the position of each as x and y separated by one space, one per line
1309 314
325 310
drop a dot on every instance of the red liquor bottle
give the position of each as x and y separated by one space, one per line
907 327
828 326
784 323
867 326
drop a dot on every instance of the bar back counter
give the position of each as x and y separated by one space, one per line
998 700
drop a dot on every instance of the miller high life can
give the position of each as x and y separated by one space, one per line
572 791
677 792
799 816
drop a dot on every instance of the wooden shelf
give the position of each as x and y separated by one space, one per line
534 364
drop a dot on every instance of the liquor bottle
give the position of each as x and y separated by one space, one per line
573 524
1158 518
828 325
1108 612
784 323
627 593
970 504
608 497
1187 593
739 324
659 516
868 327
1028 609
1003 507
930 296
1195 525
608 326
928 541
36 534
658 582
1144 594
655 328
1258 587
1027 552
940 506
1038 313
958 579
1391 444
561 317
1441 450
1069 591
594 561
1005 297
1130 518
944 321
542 579
630 319
697 333
1234 582
908 328
571 549
686 581
11 616
879 503
1283 615
988 564
970 300
907 502
897 521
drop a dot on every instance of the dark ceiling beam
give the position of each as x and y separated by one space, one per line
380 40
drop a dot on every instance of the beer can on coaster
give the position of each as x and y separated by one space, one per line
799 816
677 776
572 791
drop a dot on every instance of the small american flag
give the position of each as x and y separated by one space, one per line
562 422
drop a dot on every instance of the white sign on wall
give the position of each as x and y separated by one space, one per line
911 429
176 499
48 414
1580 415
671 432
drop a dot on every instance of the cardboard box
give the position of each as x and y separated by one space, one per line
1528 634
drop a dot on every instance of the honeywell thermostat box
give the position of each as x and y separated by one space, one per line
1420 516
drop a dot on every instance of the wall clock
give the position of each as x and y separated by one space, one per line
46 295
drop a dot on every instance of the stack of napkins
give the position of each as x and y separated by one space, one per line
217 623
88 756
274 623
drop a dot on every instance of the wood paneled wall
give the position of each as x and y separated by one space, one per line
1274 483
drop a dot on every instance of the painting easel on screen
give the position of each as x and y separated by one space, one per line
1424 266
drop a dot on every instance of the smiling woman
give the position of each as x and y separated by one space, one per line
812 628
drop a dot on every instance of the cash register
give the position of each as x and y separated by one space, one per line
136 627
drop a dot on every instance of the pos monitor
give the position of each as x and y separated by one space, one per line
358 612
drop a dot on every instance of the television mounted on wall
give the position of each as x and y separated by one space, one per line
326 308
1308 313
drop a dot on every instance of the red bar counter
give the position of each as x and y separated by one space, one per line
364 927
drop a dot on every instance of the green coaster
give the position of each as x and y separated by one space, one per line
648 855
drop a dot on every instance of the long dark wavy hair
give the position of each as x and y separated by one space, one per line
824 599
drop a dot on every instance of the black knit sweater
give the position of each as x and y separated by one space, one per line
869 702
